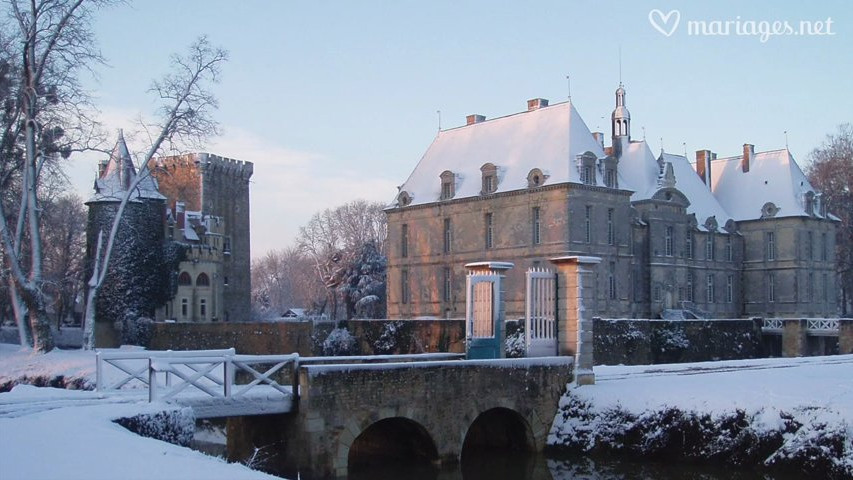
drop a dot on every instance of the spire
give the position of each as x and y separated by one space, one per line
620 121
118 173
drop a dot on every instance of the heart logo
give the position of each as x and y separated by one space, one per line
662 23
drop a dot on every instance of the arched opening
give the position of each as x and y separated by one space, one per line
390 443
202 280
185 279
497 445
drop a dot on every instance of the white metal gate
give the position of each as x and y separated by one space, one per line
540 328
481 311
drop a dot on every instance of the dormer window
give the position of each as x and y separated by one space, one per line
586 168
608 167
535 178
404 198
809 200
448 185
490 178
769 210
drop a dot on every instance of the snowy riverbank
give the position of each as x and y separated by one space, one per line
767 413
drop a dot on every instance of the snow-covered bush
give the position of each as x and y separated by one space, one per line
340 342
389 339
514 343
176 426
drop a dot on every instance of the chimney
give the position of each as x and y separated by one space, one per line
472 119
536 104
599 137
180 214
748 156
703 165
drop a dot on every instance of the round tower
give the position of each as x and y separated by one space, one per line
620 122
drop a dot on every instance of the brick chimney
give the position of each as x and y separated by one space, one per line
536 104
180 214
472 119
703 165
748 157
599 137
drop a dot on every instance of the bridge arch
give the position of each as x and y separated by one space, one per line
392 440
499 428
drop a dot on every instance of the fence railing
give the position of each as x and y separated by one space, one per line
215 375
814 326
134 365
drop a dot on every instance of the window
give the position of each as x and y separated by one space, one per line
185 279
586 175
202 280
490 178
809 245
404 286
730 288
729 253
489 230
404 241
823 248
689 245
610 236
610 178
825 288
448 235
588 224
537 226
810 288
771 287
668 245
690 290
770 245
657 293
448 285
448 185
535 178
184 307
709 292
226 246
710 252
225 281
612 281
202 308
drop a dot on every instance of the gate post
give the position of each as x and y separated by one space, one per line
493 347
575 301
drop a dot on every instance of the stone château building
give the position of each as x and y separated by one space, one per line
183 246
721 237
209 196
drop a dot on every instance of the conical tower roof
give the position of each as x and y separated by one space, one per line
119 173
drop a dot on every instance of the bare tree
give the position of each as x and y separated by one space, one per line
334 237
282 279
45 46
186 117
831 172
64 238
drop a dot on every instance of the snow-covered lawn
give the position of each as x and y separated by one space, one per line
49 433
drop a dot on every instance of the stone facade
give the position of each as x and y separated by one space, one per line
216 188
672 236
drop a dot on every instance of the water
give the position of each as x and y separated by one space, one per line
523 466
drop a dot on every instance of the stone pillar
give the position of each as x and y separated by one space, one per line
845 336
575 307
794 342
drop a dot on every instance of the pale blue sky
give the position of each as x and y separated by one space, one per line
334 101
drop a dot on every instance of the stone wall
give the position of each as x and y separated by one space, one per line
641 342
246 338
374 337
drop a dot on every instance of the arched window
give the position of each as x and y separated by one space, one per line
202 280
185 279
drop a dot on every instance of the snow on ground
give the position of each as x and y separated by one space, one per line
48 433
718 387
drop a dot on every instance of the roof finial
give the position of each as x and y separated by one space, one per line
121 133
620 65
644 133
439 119
661 144
569 86
684 144
786 140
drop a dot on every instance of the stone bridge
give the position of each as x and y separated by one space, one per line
349 415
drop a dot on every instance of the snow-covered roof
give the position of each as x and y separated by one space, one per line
548 138
638 169
117 176
703 204
773 176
